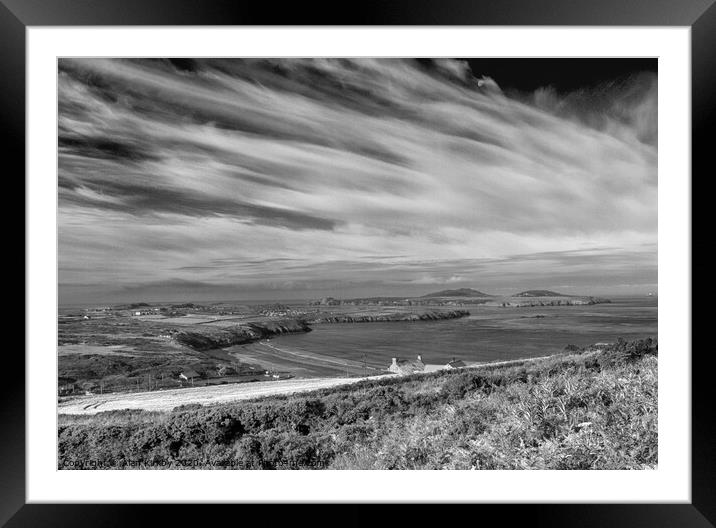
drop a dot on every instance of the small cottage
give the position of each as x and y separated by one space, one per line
455 363
407 366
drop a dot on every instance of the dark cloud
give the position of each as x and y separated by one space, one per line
142 200
186 65
104 148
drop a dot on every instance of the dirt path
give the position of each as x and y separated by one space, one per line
168 399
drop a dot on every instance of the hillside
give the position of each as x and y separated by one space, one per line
539 293
595 408
462 292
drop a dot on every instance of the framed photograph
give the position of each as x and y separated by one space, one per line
425 254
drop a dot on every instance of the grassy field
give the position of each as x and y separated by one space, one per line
591 409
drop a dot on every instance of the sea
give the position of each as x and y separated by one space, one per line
488 334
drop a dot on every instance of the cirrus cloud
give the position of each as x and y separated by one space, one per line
313 175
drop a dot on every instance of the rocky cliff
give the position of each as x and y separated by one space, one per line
212 338
390 317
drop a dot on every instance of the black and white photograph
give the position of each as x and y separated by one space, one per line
357 263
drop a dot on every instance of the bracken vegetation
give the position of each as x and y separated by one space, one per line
592 409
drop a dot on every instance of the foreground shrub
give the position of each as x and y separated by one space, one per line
593 410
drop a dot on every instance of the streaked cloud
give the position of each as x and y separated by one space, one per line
253 177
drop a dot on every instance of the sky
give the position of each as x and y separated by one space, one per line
219 179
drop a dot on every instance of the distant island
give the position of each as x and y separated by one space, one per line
462 292
539 293
518 300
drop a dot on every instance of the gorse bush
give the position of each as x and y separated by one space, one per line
593 410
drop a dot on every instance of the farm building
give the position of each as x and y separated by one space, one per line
407 366
455 363
144 312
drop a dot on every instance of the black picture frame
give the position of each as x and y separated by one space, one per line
699 15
